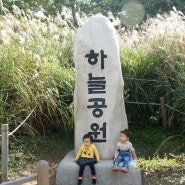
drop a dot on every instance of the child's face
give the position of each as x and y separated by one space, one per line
87 141
123 137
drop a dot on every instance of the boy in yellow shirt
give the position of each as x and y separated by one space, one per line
87 155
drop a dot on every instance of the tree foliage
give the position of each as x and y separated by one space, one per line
152 7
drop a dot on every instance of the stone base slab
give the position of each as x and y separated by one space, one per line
67 173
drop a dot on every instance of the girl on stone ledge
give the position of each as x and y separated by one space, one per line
124 152
87 155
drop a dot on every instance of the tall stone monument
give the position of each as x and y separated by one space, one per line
98 104
98 99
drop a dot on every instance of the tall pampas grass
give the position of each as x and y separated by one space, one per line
155 52
36 71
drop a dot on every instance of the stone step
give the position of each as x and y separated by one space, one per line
67 173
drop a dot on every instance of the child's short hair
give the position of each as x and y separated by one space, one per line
126 132
88 136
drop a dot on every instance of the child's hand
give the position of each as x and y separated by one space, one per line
74 160
98 161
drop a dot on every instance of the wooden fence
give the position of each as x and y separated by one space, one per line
42 176
5 147
4 153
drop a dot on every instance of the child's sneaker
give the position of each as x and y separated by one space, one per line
124 170
79 181
93 181
115 168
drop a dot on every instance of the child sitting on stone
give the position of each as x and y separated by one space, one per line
87 155
124 151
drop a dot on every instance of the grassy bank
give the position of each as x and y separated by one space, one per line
25 152
37 71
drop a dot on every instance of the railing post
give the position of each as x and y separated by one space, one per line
163 111
4 153
42 173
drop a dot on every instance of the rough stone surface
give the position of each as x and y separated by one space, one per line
67 173
98 104
98 34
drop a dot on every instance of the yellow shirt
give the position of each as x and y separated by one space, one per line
88 152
